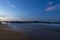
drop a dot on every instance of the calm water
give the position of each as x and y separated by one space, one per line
38 30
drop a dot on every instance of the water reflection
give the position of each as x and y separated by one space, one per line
48 31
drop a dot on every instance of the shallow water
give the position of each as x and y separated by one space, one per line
38 30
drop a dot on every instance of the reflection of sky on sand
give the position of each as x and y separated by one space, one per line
37 30
23 26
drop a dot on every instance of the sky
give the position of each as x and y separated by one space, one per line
42 10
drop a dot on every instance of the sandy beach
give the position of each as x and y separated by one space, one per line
11 35
35 34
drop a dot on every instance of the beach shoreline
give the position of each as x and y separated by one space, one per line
11 35
33 34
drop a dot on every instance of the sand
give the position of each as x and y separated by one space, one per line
11 35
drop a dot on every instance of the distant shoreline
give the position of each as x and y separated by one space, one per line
30 22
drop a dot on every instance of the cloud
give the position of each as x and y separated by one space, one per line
9 4
52 8
50 3
13 6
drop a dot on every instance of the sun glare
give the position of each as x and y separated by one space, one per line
3 19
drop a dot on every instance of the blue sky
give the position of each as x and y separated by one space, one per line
47 10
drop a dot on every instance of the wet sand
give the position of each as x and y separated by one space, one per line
11 35
36 34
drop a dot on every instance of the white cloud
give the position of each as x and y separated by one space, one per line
10 4
50 3
13 6
53 7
